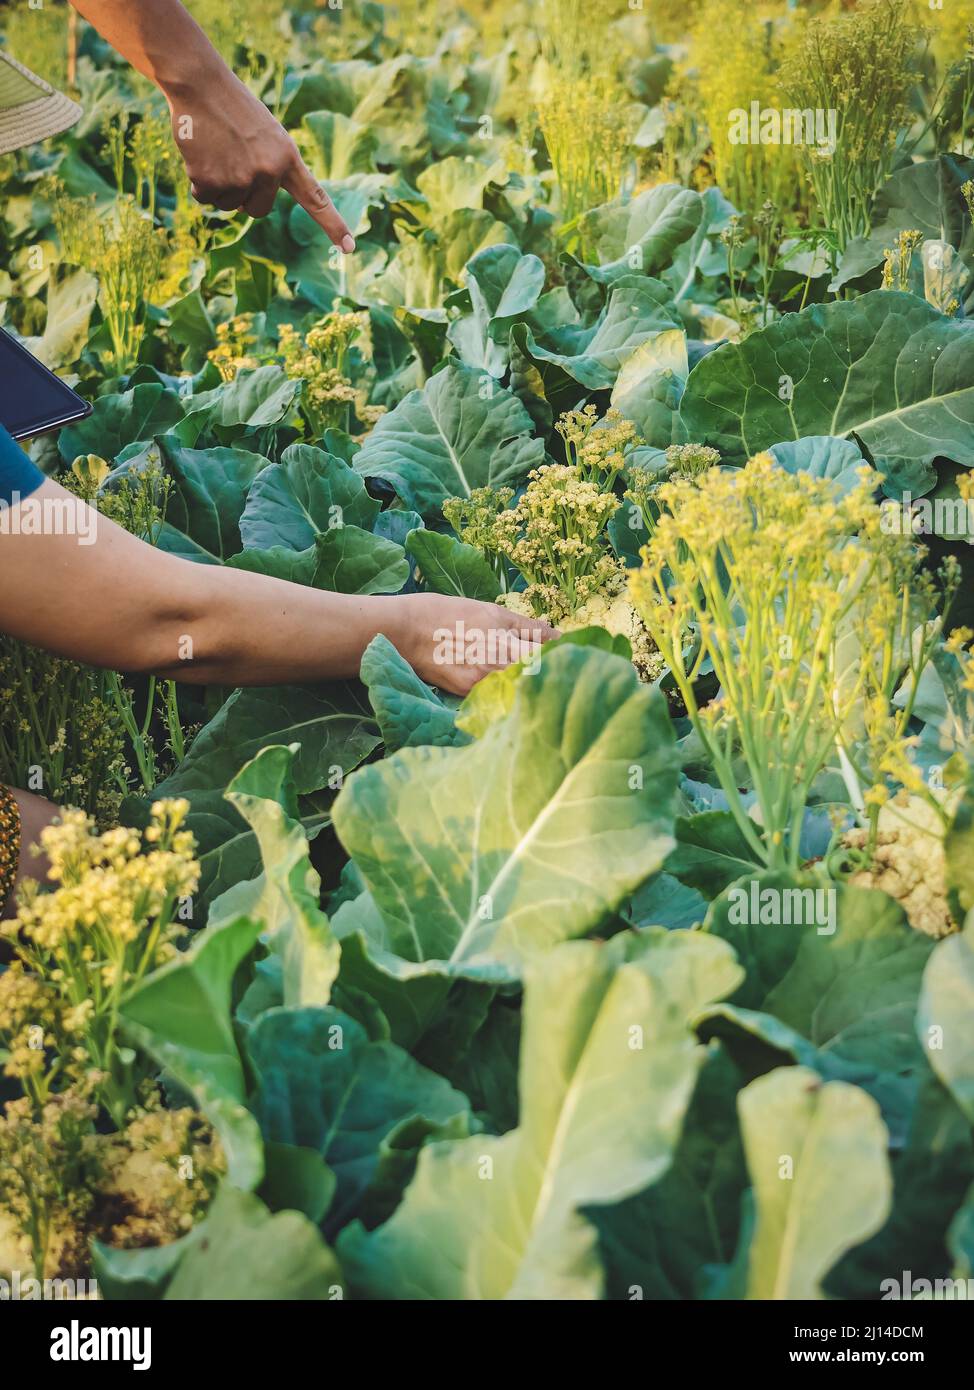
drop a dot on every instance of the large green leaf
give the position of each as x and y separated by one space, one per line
71 298
641 234
650 385
181 1016
207 499
886 366
459 433
711 852
477 857
119 420
945 1017
332 723
345 560
307 494
409 712
608 1066
821 456
638 308
253 400
341 146
932 1170
817 1159
451 567
247 1254
285 899
502 285
851 990
656 1244
323 1084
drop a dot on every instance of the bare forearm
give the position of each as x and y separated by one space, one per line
121 604
247 629
93 593
158 37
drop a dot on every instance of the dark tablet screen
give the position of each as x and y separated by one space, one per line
32 399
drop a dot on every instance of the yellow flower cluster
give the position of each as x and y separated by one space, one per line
320 359
596 447
156 1178
126 252
555 536
899 259
234 340
111 919
778 578
63 1183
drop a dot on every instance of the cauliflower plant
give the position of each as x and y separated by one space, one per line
616 614
908 862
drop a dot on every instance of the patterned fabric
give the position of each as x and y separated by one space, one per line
9 843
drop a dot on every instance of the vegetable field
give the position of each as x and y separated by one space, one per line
641 972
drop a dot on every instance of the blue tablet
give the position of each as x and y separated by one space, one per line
32 399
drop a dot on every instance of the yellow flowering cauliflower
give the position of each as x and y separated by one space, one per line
908 862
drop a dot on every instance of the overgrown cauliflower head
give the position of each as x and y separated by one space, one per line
615 613
909 862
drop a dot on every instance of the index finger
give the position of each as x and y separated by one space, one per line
305 189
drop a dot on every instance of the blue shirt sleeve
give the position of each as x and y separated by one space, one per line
18 476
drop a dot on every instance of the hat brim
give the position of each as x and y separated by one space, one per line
36 120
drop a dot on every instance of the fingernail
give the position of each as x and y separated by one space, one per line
348 244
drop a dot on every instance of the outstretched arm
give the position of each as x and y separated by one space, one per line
237 155
122 604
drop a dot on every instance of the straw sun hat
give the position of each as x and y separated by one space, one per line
30 108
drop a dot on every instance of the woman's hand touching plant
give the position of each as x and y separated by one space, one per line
236 154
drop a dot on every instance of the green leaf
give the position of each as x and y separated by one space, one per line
660 1240
354 561
248 1254
478 857
848 980
409 713
71 298
332 723
285 898
666 902
822 456
307 494
817 1159
886 366
711 852
637 309
138 1275
180 1015
945 1016
492 698
502 284
650 385
932 1171
959 841
252 400
585 1092
345 560
341 146
450 566
322 1084
119 420
207 499
453 436
297 1179
643 233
